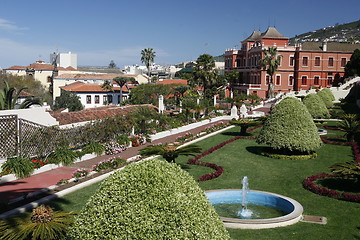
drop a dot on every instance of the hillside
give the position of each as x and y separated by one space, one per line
348 32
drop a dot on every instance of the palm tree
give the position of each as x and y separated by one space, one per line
170 152
121 81
205 74
147 57
270 62
350 125
9 97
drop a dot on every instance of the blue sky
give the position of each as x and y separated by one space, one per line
103 30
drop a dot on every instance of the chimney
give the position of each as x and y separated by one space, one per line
324 46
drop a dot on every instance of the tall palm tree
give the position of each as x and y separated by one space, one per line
170 152
205 74
270 62
121 81
9 97
147 57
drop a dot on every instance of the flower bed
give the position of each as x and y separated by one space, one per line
310 184
113 148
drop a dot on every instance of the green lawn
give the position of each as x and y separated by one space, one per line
240 159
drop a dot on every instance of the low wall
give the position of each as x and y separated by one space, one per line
187 127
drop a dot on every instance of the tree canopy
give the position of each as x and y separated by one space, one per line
152 199
68 100
352 68
290 128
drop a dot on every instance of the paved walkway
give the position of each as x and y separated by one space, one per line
19 188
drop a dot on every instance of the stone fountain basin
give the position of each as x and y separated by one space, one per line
292 209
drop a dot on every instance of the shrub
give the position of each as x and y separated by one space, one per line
80 173
326 97
64 156
290 128
316 106
149 200
21 167
94 147
109 163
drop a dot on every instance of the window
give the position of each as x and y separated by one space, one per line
97 99
317 61
291 80
88 99
304 80
305 61
330 80
105 99
267 79
118 98
343 62
110 98
331 62
316 80
292 61
277 80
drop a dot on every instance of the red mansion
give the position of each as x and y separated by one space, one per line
303 66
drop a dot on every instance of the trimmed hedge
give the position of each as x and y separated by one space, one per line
292 157
316 106
326 95
290 128
152 199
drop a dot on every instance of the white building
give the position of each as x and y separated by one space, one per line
64 59
93 95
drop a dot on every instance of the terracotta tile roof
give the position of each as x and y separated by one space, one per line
95 113
40 67
90 87
16 68
173 81
78 76
331 46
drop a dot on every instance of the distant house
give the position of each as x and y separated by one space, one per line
39 70
67 79
93 95
172 81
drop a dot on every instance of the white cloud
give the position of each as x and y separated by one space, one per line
8 25
16 53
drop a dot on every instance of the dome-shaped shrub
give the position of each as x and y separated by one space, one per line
290 128
326 95
316 106
153 199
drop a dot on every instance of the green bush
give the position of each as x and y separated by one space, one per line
316 106
94 147
152 199
64 156
326 95
290 128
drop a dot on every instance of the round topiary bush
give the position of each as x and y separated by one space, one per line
316 106
290 129
152 199
326 95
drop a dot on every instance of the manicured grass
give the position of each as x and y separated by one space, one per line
284 177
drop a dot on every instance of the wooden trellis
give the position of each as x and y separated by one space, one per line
8 135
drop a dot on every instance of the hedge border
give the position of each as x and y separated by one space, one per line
309 183
218 169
